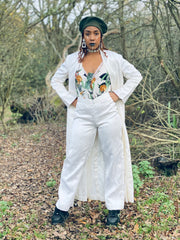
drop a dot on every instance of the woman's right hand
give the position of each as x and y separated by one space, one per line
74 102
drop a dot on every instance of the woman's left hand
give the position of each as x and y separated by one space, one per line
114 97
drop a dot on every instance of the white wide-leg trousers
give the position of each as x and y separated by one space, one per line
99 114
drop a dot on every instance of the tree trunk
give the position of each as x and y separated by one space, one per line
122 29
167 65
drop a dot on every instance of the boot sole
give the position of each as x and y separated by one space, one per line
55 223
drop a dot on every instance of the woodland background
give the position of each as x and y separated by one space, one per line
35 38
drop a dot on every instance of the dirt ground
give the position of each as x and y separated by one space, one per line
31 158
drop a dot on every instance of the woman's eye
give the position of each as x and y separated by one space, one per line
96 33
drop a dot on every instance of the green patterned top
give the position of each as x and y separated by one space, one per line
92 85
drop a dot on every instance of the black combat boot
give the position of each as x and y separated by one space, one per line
59 216
113 217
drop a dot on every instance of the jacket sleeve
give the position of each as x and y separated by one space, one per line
133 78
57 83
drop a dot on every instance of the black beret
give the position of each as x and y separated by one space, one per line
93 21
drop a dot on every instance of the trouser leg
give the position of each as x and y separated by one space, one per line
82 139
110 136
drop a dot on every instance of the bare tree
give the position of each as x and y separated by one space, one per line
168 49
11 47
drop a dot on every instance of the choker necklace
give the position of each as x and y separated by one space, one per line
93 50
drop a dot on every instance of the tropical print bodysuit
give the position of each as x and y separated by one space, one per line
92 85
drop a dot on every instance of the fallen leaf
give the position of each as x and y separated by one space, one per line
136 228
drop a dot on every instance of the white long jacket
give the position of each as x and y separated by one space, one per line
91 185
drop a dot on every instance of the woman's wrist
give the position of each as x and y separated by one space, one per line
74 102
114 96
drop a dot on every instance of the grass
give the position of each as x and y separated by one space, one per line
51 183
156 214
159 212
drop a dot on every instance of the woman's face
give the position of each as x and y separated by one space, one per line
92 36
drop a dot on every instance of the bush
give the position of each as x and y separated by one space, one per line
144 169
136 177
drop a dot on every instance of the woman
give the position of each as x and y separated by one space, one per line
98 163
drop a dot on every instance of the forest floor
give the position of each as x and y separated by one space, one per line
31 158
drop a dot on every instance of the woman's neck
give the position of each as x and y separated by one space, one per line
93 50
94 54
